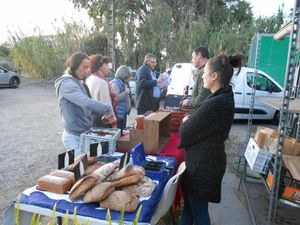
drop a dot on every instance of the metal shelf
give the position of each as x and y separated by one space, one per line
284 116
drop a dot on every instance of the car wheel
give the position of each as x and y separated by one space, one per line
276 117
14 82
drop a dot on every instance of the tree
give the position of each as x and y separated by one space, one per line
269 24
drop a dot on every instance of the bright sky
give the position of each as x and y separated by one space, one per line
25 15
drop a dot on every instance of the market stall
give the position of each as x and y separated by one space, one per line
103 144
41 202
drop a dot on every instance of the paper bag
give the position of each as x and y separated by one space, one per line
262 133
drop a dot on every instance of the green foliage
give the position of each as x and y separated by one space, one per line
269 24
17 211
44 56
108 218
66 218
168 28
121 221
52 220
137 216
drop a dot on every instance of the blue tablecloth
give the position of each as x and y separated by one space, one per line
40 199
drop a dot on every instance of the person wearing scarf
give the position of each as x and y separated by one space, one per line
100 88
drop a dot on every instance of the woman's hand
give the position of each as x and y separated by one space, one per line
185 118
108 119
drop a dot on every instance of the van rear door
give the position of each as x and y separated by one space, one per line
180 79
238 85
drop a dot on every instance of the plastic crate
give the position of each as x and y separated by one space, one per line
100 135
257 158
176 120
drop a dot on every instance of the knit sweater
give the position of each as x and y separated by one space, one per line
203 135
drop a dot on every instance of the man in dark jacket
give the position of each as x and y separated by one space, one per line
200 56
147 92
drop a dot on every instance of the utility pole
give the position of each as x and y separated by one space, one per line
111 33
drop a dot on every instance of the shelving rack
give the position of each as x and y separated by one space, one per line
284 119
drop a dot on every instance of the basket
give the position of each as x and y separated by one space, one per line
106 137
257 158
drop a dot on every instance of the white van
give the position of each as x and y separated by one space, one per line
182 85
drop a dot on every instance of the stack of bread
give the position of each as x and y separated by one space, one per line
102 183
108 186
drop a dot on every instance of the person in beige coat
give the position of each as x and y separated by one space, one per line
99 87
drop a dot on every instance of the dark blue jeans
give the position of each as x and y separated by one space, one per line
195 211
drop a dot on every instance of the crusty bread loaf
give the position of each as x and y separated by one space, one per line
66 174
99 192
133 179
118 199
126 171
54 184
91 168
104 171
143 189
91 160
82 186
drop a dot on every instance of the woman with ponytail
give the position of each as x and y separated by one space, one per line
76 106
203 136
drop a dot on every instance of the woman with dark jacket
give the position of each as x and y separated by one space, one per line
203 135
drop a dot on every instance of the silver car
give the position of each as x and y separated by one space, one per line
9 78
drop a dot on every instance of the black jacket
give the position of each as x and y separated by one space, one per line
144 90
203 136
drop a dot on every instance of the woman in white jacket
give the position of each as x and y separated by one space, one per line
99 87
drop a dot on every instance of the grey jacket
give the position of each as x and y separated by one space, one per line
76 107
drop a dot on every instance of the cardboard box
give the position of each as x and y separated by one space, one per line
156 132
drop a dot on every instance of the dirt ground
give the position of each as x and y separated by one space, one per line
30 137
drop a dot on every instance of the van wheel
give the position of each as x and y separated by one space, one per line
276 117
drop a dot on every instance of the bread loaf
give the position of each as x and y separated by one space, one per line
82 186
91 160
91 168
66 174
99 192
126 171
118 199
143 189
133 179
54 184
105 170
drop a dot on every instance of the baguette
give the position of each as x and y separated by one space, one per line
54 184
